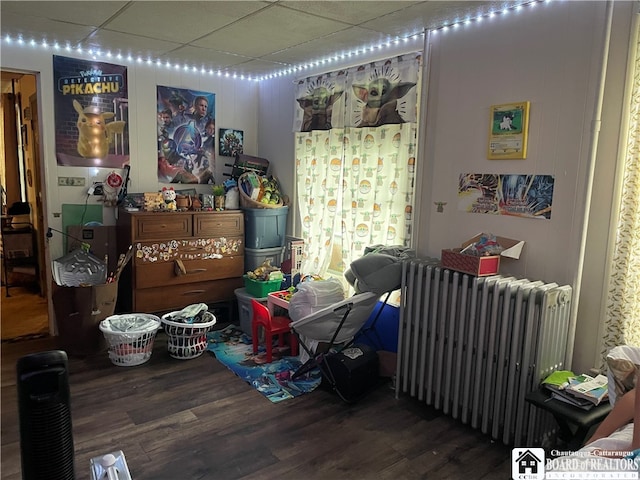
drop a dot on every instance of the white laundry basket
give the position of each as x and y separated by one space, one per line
130 337
187 340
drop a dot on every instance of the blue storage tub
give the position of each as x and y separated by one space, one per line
265 227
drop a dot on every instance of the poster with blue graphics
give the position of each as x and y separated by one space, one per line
186 136
529 196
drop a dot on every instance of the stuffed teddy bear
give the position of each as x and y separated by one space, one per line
169 195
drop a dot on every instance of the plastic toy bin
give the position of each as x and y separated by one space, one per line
245 311
265 227
254 257
261 289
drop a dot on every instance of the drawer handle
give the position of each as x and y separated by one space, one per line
179 269
193 292
196 270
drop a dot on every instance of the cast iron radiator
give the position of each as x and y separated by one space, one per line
472 347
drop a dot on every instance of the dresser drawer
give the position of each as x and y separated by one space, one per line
187 249
162 226
208 225
179 258
168 274
176 297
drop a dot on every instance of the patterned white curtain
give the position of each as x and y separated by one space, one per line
356 140
622 316
355 189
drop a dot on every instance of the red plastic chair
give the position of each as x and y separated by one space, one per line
273 326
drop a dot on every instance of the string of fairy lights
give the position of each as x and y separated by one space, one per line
415 38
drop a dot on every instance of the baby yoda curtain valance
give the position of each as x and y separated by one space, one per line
370 95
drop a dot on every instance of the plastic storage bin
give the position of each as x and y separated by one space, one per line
265 227
254 257
260 289
245 311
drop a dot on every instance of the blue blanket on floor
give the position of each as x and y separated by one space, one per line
233 348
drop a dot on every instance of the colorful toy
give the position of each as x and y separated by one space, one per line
169 195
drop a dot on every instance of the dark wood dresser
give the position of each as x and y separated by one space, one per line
179 258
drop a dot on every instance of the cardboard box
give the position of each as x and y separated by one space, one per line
480 266
79 311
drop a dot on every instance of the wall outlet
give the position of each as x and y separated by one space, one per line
96 189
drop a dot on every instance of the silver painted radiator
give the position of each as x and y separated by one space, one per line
474 346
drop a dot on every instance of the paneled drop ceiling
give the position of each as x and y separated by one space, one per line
252 38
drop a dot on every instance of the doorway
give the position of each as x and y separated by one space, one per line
24 294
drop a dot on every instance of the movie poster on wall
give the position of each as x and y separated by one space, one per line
529 196
186 136
91 113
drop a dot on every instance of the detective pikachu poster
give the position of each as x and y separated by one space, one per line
91 113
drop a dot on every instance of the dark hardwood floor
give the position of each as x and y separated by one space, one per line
23 314
194 419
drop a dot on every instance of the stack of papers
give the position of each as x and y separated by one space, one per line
583 391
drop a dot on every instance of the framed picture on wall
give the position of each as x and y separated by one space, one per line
508 131
231 142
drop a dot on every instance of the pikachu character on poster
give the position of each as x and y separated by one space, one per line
95 135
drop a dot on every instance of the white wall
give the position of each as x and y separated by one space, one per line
551 56
236 107
275 138
547 57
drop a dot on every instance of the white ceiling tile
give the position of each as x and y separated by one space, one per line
200 57
416 18
180 21
82 13
130 44
257 67
336 43
353 12
41 29
270 30
258 37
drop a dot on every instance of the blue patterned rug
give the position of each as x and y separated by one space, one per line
232 347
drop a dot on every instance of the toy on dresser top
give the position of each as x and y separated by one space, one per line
169 196
164 200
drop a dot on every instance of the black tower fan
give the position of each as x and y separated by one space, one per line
46 437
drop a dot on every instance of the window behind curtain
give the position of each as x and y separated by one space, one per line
356 148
